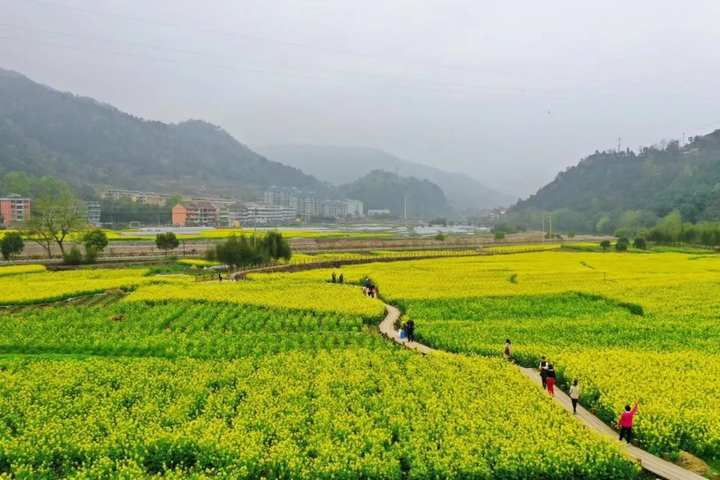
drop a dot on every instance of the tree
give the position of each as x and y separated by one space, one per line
604 225
166 241
242 251
499 235
640 243
668 229
622 244
605 244
276 246
95 242
56 215
239 251
11 245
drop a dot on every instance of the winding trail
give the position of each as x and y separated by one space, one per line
651 463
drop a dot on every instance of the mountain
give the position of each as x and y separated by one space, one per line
652 183
340 165
401 195
47 132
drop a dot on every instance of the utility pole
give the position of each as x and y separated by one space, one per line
619 144
550 225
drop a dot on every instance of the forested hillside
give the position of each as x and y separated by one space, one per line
608 189
384 190
47 132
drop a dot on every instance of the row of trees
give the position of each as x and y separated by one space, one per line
246 251
672 229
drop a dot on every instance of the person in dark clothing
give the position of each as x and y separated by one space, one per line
507 350
333 278
543 372
341 278
410 330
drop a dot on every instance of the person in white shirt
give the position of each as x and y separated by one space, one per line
574 395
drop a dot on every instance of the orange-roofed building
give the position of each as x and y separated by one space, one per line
14 210
195 214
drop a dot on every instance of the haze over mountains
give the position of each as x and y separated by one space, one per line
83 141
47 132
339 165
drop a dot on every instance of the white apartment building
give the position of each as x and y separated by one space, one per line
261 214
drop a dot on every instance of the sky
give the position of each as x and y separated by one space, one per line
508 92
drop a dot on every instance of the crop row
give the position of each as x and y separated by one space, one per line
53 286
344 414
176 329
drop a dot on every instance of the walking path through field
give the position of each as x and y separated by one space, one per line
649 462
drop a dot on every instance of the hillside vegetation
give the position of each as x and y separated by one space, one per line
47 132
384 190
595 194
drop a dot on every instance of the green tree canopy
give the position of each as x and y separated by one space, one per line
12 244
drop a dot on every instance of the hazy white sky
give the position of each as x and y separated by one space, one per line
509 92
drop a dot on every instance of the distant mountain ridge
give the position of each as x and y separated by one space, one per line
401 195
339 165
47 132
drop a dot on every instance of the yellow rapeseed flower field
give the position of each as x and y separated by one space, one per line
16 269
52 286
630 326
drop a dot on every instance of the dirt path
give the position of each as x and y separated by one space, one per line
649 462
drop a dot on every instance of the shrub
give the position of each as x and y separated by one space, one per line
91 255
499 235
166 241
640 243
605 244
73 257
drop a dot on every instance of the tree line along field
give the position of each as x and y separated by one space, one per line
280 377
628 326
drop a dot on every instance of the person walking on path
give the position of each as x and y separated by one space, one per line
410 330
575 395
507 350
625 422
543 372
551 379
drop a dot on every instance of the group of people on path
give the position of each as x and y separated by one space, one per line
337 279
407 332
548 376
370 289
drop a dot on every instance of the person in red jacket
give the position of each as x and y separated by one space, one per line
625 422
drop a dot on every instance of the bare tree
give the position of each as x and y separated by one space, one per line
54 218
